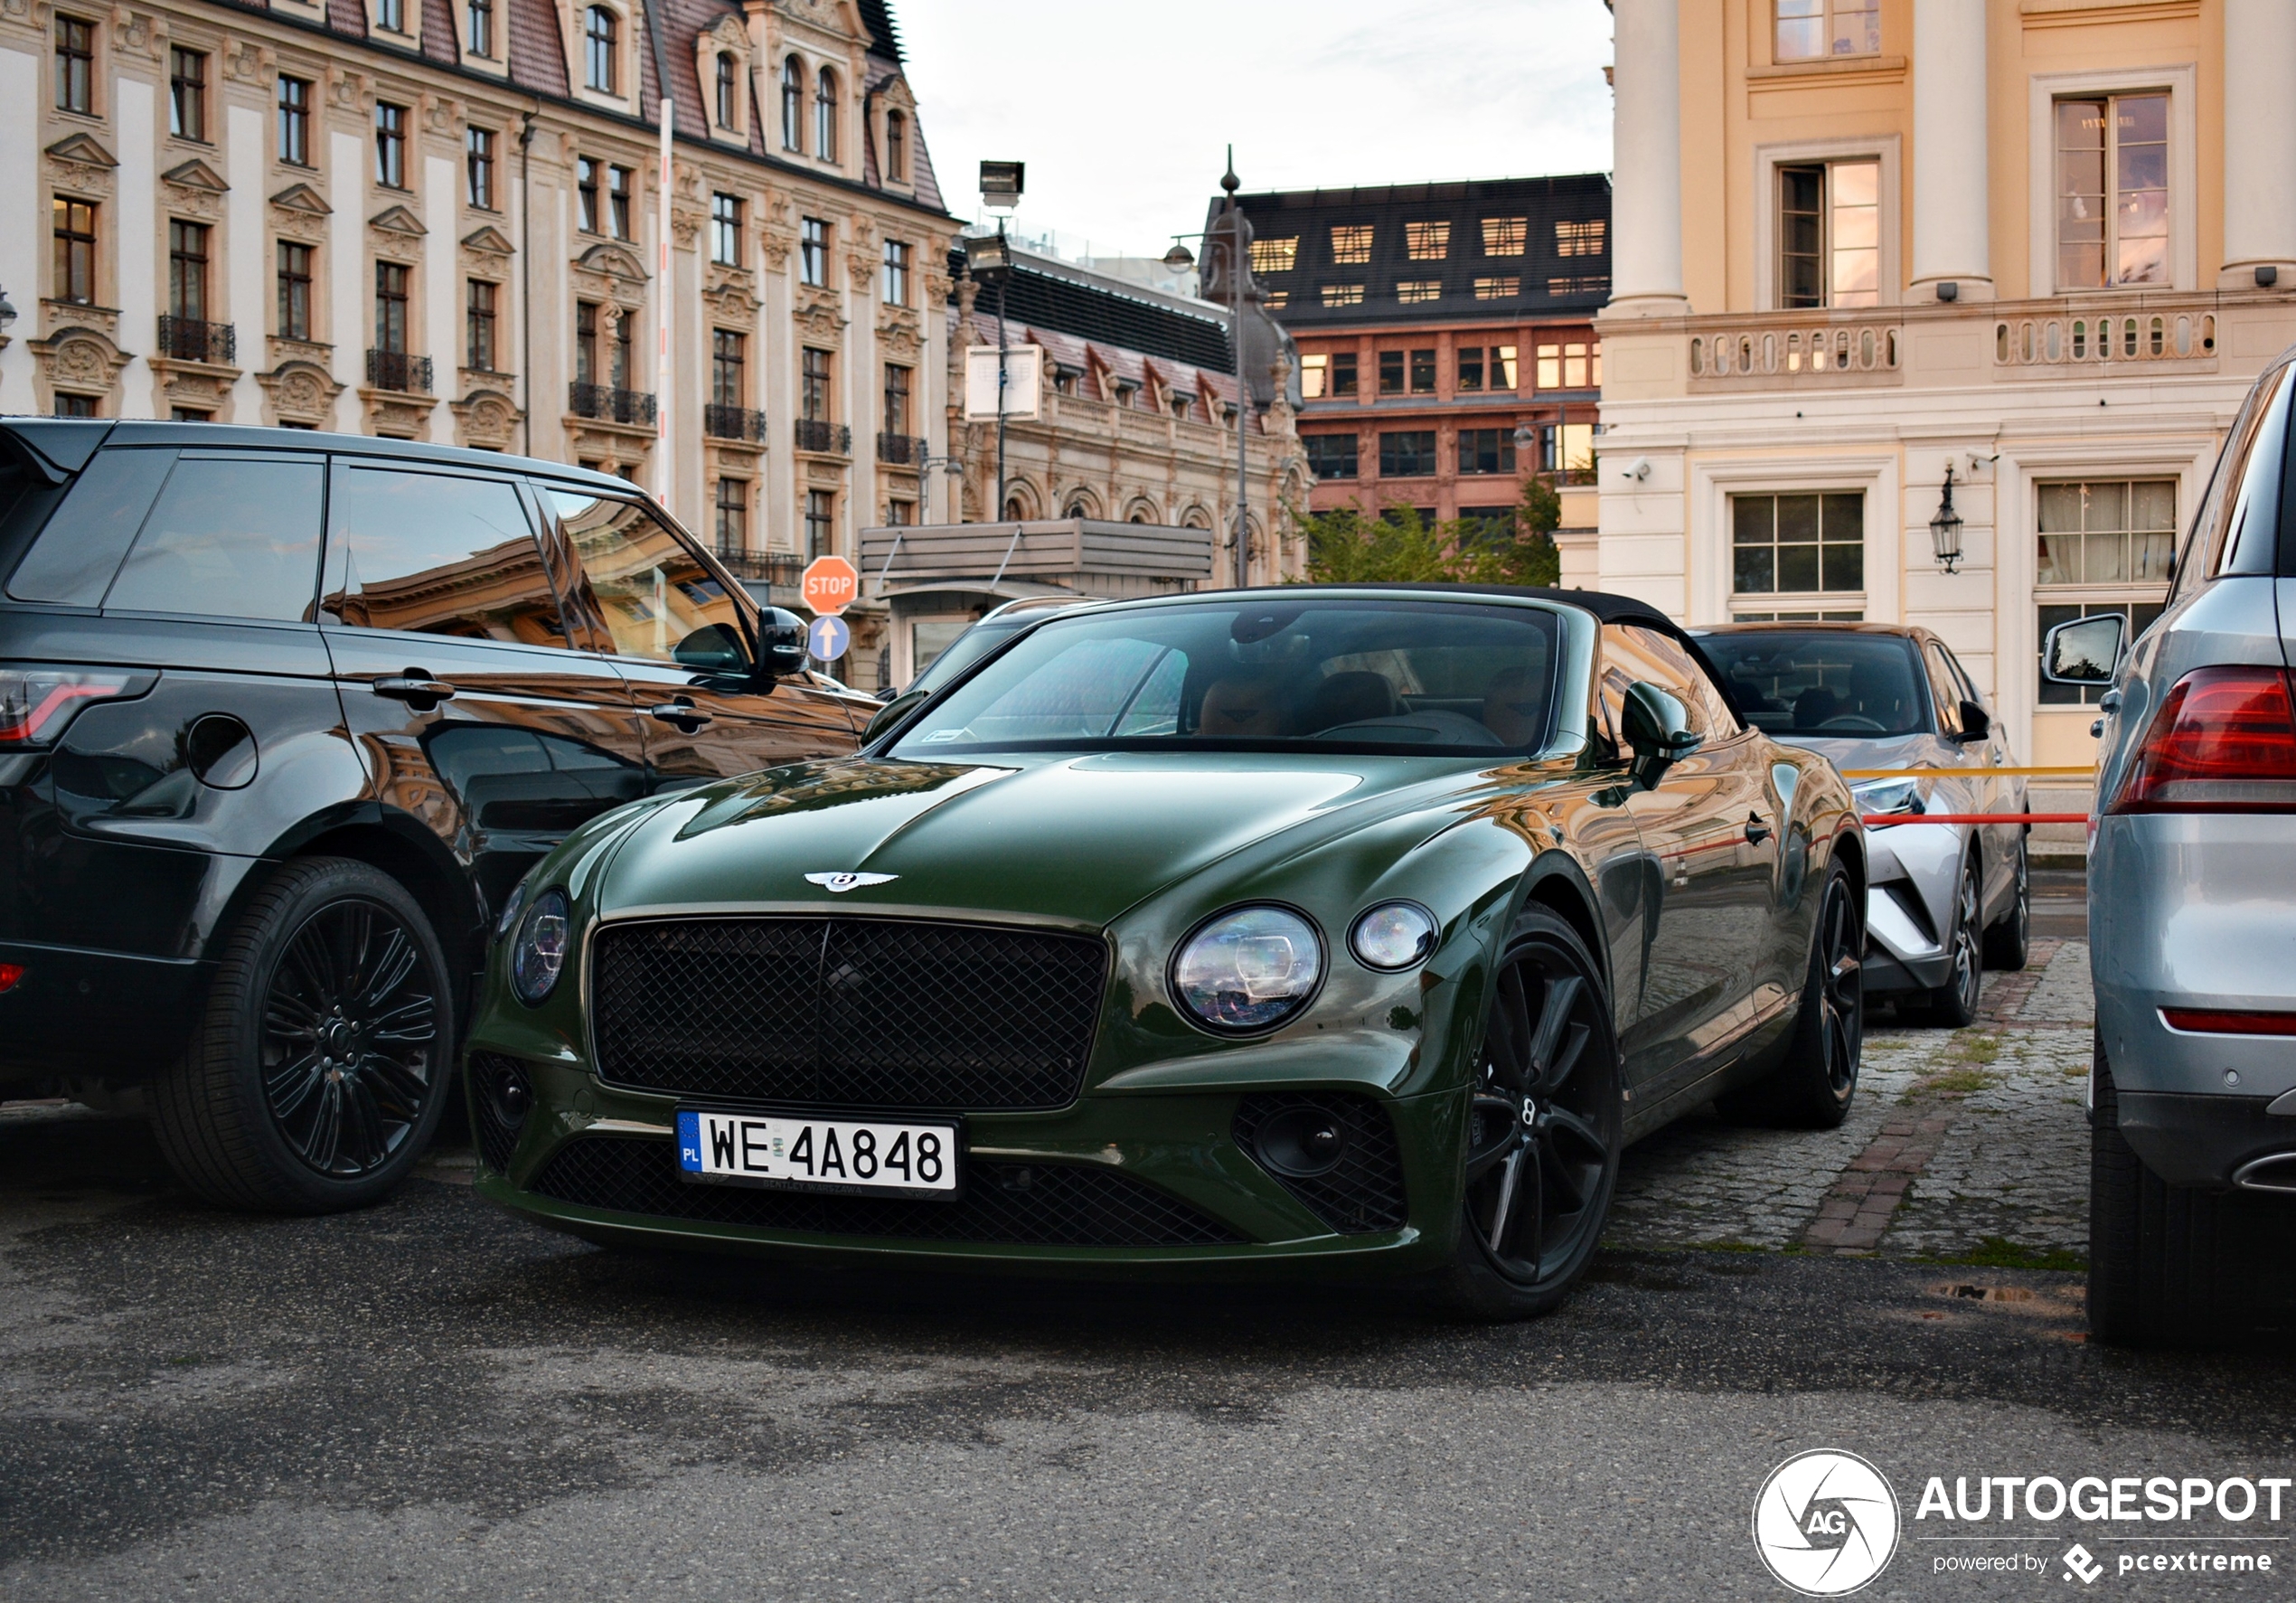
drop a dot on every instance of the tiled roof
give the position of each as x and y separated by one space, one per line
439 42
347 16
1108 316
537 54
1101 363
884 33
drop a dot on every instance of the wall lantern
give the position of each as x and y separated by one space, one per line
1945 528
7 312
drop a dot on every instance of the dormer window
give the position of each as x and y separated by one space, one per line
601 43
793 105
825 117
478 18
896 147
727 91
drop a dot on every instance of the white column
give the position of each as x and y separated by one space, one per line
245 251
442 289
2259 147
138 240
1646 184
1950 243
349 313
22 228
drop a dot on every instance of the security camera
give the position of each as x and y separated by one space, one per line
1640 468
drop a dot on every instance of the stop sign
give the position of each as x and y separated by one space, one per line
830 585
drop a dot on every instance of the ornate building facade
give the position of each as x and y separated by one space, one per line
439 219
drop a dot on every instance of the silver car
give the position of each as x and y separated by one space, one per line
2192 915
1947 901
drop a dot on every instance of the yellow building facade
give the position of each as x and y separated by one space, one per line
2043 244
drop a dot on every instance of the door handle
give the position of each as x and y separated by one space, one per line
688 718
415 687
1757 832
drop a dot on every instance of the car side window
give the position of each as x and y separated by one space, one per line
1636 651
637 579
231 536
436 553
1944 689
2203 546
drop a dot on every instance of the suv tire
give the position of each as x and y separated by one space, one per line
318 1070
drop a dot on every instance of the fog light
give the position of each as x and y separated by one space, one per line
1300 1143
510 1098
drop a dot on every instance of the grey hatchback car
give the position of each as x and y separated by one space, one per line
2192 915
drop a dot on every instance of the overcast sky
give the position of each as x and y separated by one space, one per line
1123 110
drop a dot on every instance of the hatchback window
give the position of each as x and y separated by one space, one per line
1829 683
435 553
230 537
650 591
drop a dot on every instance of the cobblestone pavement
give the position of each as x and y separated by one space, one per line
1962 1145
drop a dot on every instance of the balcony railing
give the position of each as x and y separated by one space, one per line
183 340
2060 335
609 405
395 370
1793 346
783 572
733 422
903 451
828 439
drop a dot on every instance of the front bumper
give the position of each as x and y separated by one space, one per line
1914 873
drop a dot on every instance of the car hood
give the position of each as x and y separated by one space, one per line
1073 838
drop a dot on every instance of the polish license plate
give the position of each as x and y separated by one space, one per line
782 1151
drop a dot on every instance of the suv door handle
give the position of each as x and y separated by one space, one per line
688 718
415 687
1757 832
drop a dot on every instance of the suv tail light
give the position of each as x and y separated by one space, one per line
37 703
2223 742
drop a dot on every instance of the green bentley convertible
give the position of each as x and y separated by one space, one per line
1338 931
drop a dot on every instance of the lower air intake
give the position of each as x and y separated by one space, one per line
1333 1150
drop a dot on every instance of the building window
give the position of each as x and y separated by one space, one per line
2104 547
478 324
619 366
1427 242
1576 365
825 116
1274 256
812 385
1486 450
76 406
1413 292
187 270
390 16
1502 286
75 65
601 50
1342 372
187 93
793 105
294 121
1390 373
725 228
728 92
897 258
478 35
1476 362
295 291
900 515
391 283
898 379
1808 29
733 516
1805 545
586 190
1351 244
1830 234
728 368
1423 371
1330 456
390 144
1315 373
813 252
586 341
1407 454
75 226
1505 236
618 185
1583 237
2112 191
478 167
1343 295
821 523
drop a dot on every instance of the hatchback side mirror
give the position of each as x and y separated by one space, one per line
2086 650
1658 727
1977 724
893 713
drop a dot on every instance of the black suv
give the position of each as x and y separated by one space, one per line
283 720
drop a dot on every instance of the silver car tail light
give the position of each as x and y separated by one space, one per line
2223 742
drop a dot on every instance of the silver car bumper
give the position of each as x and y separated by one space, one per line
2195 911
1915 872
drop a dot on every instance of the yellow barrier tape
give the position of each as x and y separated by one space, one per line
2081 773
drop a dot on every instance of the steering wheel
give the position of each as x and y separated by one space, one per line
1852 723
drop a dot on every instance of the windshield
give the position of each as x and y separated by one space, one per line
966 650
1266 673
1819 682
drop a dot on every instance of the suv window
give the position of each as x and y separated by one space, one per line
230 537
2204 548
645 587
438 553
1636 651
78 551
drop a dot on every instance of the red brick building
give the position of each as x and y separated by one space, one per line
1447 340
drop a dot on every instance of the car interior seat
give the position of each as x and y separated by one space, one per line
1243 707
1512 706
1350 697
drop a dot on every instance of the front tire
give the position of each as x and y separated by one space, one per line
1545 1118
2008 943
1954 1003
1813 1088
318 1072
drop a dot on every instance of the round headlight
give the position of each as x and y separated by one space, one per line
1248 969
539 953
1393 935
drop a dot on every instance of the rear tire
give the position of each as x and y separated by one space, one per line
2007 942
318 1072
1813 1087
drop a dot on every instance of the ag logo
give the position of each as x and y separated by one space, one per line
1825 1523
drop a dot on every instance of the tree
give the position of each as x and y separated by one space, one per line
1346 547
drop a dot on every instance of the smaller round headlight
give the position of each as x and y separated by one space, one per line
1248 969
1393 935
539 953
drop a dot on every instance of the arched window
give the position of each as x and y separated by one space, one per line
896 148
602 33
727 90
793 105
825 117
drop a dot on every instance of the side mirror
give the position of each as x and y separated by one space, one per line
1977 724
713 648
781 641
2086 651
893 713
1658 727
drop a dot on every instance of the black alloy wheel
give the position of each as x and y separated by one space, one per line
1544 1125
2008 943
1817 1078
319 1070
1954 1003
